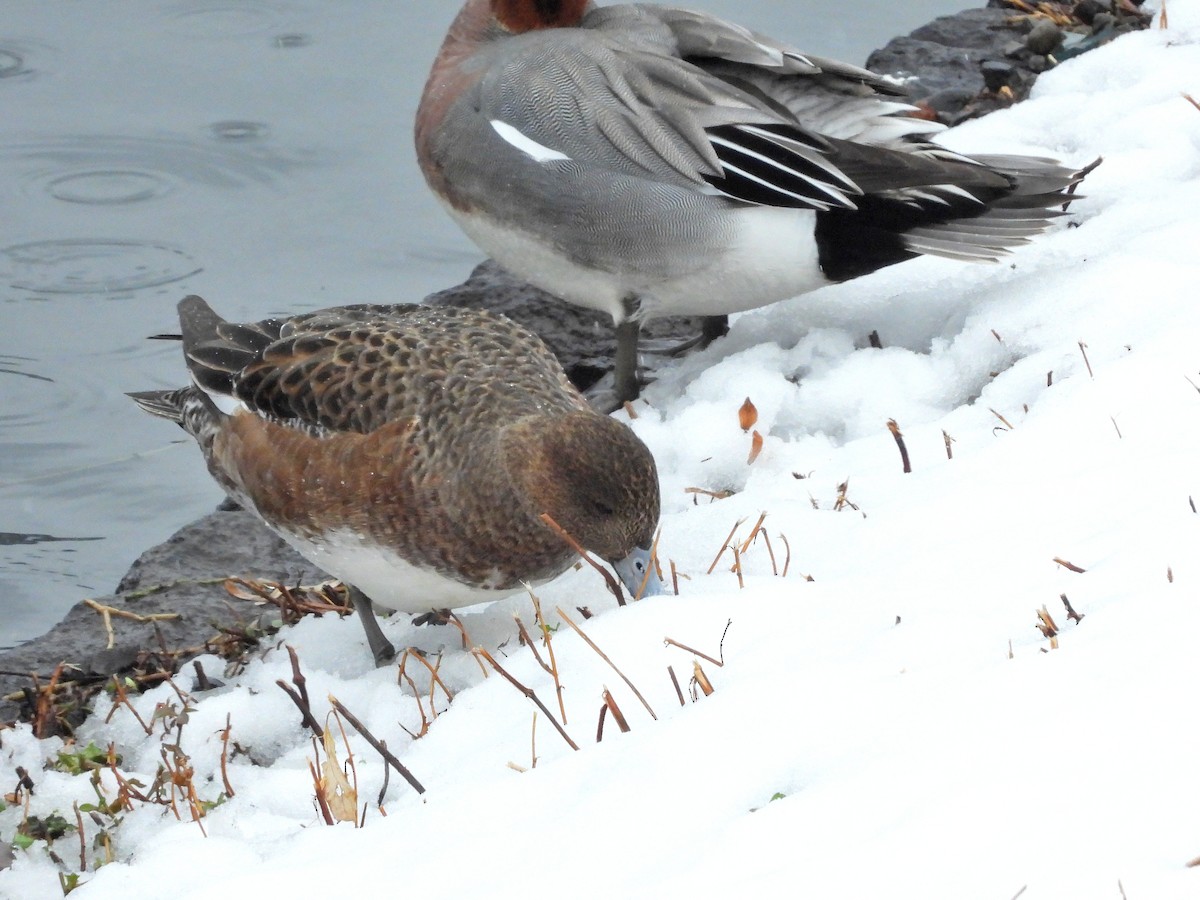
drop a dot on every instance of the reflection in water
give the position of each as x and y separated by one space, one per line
89 266
11 538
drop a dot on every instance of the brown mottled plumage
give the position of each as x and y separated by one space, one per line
410 451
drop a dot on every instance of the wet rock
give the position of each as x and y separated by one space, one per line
583 339
1044 38
183 575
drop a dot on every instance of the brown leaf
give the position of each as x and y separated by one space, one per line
747 415
756 445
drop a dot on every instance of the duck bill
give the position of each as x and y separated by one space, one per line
638 574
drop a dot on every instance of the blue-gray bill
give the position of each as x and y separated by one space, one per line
638 574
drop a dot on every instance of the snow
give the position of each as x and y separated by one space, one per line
925 738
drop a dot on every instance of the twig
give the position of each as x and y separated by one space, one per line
466 638
737 566
548 643
229 792
947 440
675 681
583 554
725 545
701 679
1007 424
82 842
1071 614
1086 361
787 560
299 694
587 640
1069 565
675 573
896 433
379 746
610 704
1186 96
107 613
528 692
753 533
671 642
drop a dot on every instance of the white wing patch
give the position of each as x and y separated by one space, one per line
526 145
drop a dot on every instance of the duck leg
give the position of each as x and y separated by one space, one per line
381 648
625 364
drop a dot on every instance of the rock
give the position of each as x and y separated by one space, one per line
583 339
184 575
1044 38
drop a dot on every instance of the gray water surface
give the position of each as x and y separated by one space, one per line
255 152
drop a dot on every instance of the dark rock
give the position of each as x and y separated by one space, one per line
997 74
1044 38
184 575
583 339
1087 10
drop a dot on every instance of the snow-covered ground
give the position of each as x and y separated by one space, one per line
889 720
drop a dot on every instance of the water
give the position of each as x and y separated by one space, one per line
257 153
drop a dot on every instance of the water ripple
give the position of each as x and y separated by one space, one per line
93 266
114 169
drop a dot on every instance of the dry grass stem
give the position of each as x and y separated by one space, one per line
700 680
674 578
610 703
225 732
1170 576
1070 566
947 440
548 643
725 545
753 533
770 553
527 639
712 495
1047 626
583 554
587 640
107 613
675 682
1007 424
718 661
299 694
529 693
787 560
533 727
899 436
466 640
121 699
652 567
1071 614
1087 362
378 745
737 566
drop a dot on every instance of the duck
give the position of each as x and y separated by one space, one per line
647 160
412 452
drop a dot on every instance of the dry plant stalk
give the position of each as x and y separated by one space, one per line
610 704
378 745
712 495
753 533
583 554
700 679
1046 625
107 613
1069 566
896 433
787 560
725 545
1071 614
675 682
947 440
1007 424
874 341
674 578
1186 96
629 410
587 640
747 415
718 661
299 694
1086 361
1170 576
466 639
225 732
770 553
548 643
528 692
737 567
